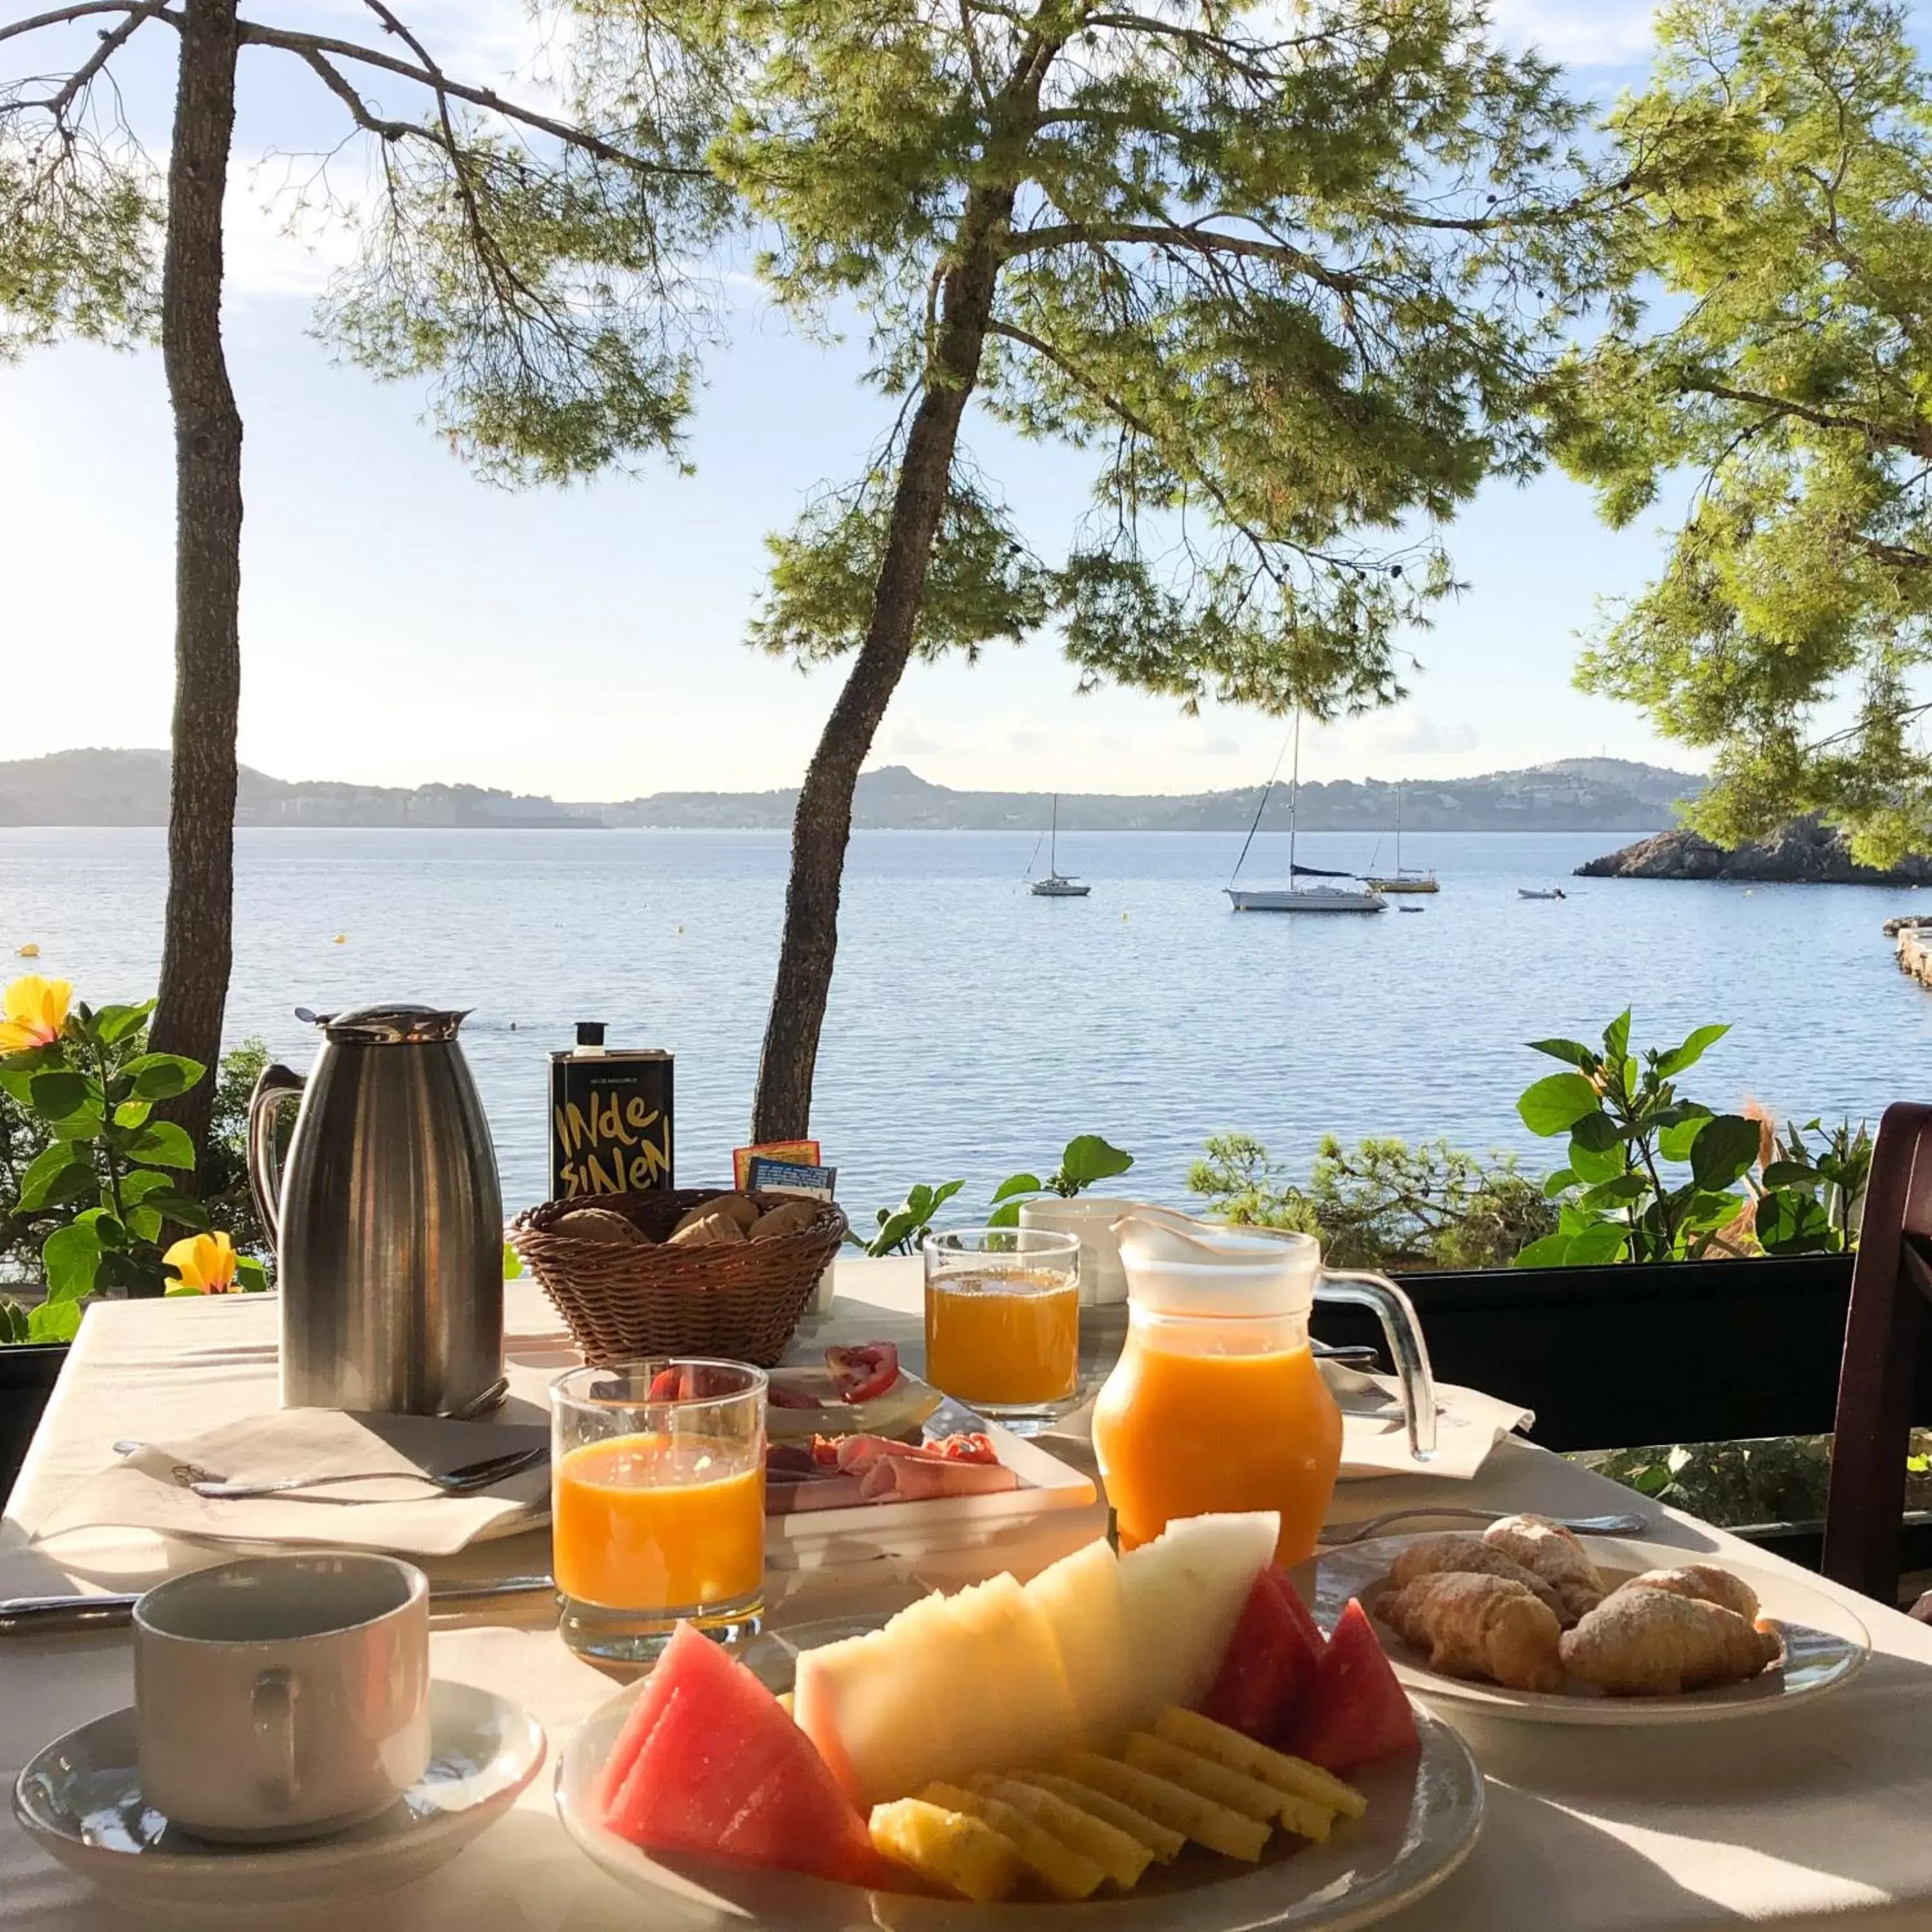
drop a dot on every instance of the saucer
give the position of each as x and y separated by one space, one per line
81 1799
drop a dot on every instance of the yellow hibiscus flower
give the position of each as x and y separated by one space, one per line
36 1010
203 1265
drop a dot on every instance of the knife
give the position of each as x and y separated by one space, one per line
54 1616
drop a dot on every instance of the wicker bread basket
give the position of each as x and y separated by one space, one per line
740 1300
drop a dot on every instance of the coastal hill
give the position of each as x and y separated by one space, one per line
1806 852
130 788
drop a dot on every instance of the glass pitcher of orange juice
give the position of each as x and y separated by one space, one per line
1216 1402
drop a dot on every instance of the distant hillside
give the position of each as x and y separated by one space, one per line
1569 794
102 788
111 787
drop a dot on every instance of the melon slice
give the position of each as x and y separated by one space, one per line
1183 1594
972 1684
1080 1598
722 1772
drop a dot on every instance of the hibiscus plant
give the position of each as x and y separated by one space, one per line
81 1073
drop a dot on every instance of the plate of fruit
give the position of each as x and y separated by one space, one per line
1528 1620
1163 1740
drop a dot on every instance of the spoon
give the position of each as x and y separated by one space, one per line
458 1482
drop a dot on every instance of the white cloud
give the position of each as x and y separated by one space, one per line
1413 733
906 736
1618 34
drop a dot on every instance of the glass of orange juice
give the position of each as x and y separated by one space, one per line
657 1503
1003 1321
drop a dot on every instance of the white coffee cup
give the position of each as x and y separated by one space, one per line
1091 1217
282 1697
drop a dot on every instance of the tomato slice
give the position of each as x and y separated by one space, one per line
864 1372
968 1448
666 1386
782 1395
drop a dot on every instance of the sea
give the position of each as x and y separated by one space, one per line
974 1028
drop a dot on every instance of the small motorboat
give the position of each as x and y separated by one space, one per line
1524 893
1410 908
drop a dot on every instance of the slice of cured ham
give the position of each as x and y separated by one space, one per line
920 1479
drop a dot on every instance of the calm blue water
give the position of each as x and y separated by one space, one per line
972 1028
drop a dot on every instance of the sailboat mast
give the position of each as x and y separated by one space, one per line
1053 847
1294 799
1398 831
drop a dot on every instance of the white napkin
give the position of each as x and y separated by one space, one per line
1375 1437
149 1489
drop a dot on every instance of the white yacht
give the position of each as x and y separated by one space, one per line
1294 896
1056 885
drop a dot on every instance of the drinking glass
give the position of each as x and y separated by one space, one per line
658 1504
1003 1322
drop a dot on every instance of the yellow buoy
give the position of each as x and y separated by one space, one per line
29 951
341 939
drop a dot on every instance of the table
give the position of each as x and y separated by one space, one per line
1819 1819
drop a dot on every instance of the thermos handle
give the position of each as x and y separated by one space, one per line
277 1084
1408 1350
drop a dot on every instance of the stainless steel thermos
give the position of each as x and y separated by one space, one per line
386 1218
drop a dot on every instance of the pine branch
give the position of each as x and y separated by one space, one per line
1191 236
60 15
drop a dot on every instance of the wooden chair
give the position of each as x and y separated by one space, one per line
1891 1280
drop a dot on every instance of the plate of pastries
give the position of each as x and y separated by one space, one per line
1526 1619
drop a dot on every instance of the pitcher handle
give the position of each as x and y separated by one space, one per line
277 1084
1407 1349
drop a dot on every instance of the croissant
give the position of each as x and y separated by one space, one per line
1554 1554
1468 1555
1645 1642
1704 1581
1478 1626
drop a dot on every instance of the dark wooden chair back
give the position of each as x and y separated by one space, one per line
1891 1280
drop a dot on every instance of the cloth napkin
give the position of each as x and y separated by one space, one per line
1375 1437
149 1489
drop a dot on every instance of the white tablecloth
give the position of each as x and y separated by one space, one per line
1823 1818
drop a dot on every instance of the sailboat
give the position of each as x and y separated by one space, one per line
1296 897
1400 880
1056 885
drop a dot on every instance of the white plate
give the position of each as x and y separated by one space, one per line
80 1798
806 1539
1423 1815
1825 1642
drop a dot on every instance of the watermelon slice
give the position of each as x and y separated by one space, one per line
638 1725
719 1770
1271 1662
1356 1711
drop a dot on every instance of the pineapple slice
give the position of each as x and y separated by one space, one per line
1294 1776
951 1849
1179 1809
1219 1786
1121 1856
1065 1873
1165 1843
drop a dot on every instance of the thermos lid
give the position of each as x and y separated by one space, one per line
396 1025
590 1032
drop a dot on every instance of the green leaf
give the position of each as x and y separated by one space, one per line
892 1231
1550 1251
1618 1192
945 1192
112 1024
161 1076
1553 1105
143 1182
1724 1151
1685 1122
1015 1184
1692 1050
1597 1151
13 1326
172 1205
1573 1051
58 1173
1616 1037
513 1264
55 1322
57 1094
1598 1245
251 1277
1006 1215
162 1143
1564 1178
1087 1158
70 1257
130 1114
1792 1174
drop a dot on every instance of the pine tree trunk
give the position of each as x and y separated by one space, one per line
822 824
197 938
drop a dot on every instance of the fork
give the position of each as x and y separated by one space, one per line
458 1482
1338 1536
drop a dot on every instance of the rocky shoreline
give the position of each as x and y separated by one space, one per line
1806 852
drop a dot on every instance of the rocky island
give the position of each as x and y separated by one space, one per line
1806 852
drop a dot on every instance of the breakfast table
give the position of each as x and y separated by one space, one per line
1813 1818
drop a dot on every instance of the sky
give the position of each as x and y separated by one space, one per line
404 622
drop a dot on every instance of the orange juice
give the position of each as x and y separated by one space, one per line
1194 1419
645 1523
1002 1338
